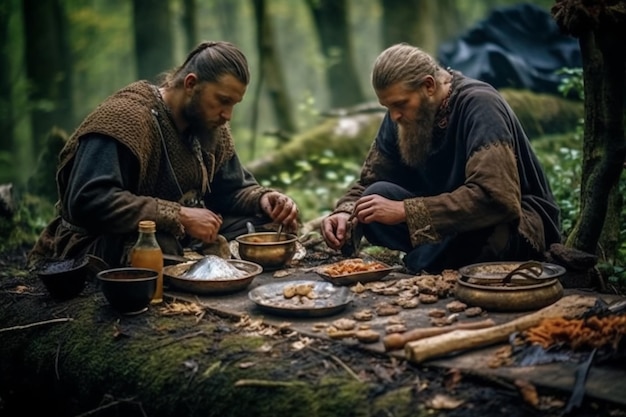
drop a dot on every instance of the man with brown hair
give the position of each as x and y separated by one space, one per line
163 153
451 177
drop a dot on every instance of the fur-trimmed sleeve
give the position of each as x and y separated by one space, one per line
489 196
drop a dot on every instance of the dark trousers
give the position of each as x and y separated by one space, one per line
495 243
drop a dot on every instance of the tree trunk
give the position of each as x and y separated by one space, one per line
6 90
333 31
408 21
348 137
604 76
190 24
271 74
450 23
48 67
153 38
349 133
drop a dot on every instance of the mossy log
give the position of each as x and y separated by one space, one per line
79 357
350 134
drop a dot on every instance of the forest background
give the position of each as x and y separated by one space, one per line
308 58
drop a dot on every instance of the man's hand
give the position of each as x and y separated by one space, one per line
334 229
200 223
281 209
374 208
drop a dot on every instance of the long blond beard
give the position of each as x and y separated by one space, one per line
415 137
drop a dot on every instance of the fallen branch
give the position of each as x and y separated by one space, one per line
113 404
262 383
39 323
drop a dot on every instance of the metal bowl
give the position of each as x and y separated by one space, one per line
264 249
484 285
173 276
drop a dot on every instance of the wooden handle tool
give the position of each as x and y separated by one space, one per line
395 341
460 340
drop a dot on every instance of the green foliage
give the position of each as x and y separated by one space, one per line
317 182
572 82
31 216
6 166
560 156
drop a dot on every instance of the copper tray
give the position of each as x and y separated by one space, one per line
172 275
328 300
355 277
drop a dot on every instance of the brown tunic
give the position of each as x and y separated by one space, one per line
140 180
481 173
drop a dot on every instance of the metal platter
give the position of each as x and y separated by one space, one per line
172 275
355 277
509 286
328 299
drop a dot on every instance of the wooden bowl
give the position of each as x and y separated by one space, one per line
64 279
128 290
264 249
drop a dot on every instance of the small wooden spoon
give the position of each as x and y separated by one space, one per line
279 232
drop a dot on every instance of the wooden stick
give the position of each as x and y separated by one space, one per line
460 340
39 323
395 341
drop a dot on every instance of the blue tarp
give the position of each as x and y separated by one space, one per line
517 47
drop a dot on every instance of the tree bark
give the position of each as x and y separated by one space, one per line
333 31
153 38
601 29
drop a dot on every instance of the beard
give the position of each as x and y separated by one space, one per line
415 136
198 125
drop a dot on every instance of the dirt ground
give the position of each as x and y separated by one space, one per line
437 391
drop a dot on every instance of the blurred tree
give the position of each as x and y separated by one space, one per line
600 27
333 30
189 20
422 23
190 24
48 67
6 115
271 75
153 36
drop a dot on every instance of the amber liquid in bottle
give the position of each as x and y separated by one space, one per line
146 253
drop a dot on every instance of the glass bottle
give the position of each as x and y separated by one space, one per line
146 253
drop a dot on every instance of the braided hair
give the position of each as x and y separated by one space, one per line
209 61
404 63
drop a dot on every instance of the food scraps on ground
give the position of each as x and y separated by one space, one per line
363 315
344 324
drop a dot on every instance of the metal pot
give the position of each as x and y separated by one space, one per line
503 291
268 249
